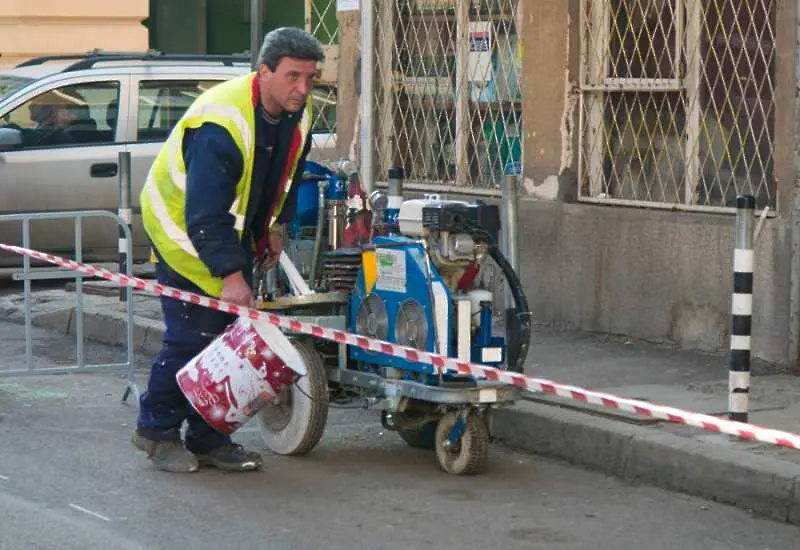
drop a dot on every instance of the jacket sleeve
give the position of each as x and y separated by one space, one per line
214 165
290 205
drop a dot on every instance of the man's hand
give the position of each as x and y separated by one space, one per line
235 290
274 246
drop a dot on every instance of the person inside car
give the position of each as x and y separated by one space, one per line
52 118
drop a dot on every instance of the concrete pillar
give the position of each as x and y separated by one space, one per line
348 81
785 92
549 115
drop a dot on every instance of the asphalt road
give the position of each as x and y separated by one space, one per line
70 479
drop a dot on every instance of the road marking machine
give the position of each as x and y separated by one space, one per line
407 272
386 310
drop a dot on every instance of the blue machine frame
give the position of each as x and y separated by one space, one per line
402 274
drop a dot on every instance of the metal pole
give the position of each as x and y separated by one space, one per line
26 285
395 198
694 88
336 201
322 189
131 387
462 94
367 102
511 250
125 214
512 221
79 321
509 235
256 30
741 311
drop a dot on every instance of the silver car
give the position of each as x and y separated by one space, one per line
65 119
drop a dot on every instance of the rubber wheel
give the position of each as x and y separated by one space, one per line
293 424
423 437
469 455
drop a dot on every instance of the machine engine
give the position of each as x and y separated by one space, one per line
409 270
457 234
417 286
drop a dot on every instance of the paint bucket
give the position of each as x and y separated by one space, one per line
239 372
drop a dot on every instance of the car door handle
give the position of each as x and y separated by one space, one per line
103 170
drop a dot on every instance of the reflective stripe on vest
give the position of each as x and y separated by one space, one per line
231 105
178 174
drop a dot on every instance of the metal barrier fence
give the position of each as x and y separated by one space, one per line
677 101
28 274
445 90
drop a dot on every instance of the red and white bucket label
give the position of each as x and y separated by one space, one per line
230 380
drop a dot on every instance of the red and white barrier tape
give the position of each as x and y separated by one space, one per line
440 363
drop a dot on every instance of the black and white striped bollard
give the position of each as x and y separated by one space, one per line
125 213
741 311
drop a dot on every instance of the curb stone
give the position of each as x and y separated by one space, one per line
105 327
153 336
760 484
61 320
109 328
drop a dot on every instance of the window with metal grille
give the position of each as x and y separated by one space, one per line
677 101
447 94
321 22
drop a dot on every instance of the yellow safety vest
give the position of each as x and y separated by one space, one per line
231 105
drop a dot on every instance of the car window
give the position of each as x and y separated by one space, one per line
163 102
10 83
80 114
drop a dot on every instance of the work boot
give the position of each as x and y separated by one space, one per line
170 455
231 458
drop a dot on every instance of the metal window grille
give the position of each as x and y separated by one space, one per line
320 20
677 101
447 97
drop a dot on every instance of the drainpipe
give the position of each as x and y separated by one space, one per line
794 283
367 107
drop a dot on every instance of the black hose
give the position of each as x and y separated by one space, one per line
519 337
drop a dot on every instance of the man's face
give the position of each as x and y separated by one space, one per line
287 87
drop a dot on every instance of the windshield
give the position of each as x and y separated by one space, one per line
10 83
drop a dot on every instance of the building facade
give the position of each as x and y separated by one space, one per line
654 115
638 122
30 28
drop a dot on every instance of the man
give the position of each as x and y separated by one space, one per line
53 118
215 199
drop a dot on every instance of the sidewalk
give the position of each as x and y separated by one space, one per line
754 476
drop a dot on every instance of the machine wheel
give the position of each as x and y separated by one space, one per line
469 455
293 423
423 437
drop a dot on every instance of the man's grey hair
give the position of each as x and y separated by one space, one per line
289 42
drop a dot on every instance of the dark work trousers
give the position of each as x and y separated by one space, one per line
189 329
